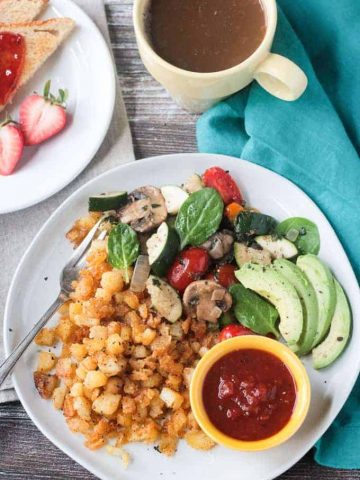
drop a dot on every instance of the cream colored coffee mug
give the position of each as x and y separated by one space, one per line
199 91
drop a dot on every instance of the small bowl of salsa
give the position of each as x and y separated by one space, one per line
250 393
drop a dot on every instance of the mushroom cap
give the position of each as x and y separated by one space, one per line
206 300
146 211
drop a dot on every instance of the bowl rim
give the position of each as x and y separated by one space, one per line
283 353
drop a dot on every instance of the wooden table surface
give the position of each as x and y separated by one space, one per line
158 127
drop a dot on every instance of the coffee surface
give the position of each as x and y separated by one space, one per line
206 35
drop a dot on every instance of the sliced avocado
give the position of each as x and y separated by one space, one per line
274 287
322 280
307 296
333 345
278 247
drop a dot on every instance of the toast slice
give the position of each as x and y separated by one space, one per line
42 39
12 11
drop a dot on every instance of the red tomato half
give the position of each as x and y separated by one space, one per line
226 275
216 177
234 331
189 265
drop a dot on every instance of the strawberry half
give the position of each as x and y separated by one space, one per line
11 146
42 117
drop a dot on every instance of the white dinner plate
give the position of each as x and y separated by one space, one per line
83 65
36 284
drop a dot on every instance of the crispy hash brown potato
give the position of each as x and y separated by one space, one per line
123 373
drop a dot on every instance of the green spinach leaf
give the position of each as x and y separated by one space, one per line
250 224
254 312
307 239
124 247
199 217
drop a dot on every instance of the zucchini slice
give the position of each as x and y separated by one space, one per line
107 201
164 299
279 248
174 198
244 254
162 248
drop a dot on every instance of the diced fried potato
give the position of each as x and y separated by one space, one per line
83 407
68 407
94 345
140 351
58 396
171 398
110 365
114 344
114 327
75 309
64 329
81 372
202 351
125 333
114 385
45 384
106 404
94 441
198 440
95 379
65 368
187 374
112 281
78 351
77 390
46 362
78 425
89 363
119 452
148 336
131 299
103 294
177 423
99 332
46 337
167 445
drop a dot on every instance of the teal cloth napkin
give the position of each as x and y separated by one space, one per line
314 142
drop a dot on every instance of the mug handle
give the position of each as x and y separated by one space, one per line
281 77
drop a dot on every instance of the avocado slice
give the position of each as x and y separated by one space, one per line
274 287
307 296
322 280
334 344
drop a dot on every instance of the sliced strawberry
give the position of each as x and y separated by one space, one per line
11 146
42 117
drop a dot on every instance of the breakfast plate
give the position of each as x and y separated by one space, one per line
36 284
84 66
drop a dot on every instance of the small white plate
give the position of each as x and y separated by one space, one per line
85 67
30 294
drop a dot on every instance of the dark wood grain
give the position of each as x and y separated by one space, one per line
158 127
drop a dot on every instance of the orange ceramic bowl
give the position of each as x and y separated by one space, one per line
273 347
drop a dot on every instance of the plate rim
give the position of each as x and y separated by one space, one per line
112 79
59 443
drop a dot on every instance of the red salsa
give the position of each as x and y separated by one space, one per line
12 48
249 394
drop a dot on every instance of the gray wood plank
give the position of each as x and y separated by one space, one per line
158 127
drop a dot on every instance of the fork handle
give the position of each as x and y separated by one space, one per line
10 362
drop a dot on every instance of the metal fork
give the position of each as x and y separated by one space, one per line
68 274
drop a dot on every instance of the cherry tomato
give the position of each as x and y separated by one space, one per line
234 331
216 177
226 275
211 276
189 265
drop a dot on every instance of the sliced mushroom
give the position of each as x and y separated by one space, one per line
219 244
146 211
206 300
